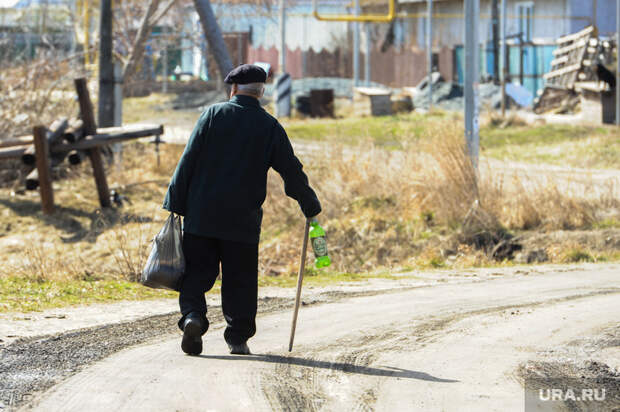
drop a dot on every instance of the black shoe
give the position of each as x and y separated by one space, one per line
192 336
241 349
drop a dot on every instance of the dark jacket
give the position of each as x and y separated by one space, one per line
220 182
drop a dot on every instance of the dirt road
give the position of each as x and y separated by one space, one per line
451 346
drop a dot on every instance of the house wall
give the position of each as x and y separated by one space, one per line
302 30
448 31
553 18
605 14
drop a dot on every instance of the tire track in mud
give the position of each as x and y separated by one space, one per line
306 382
31 365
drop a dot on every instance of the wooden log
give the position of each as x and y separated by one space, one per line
74 132
109 138
32 179
53 135
16 141
43 167
10 152
75 157
131 132
103 191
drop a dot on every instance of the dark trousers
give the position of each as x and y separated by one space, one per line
239 261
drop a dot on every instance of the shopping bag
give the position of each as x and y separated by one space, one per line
166 263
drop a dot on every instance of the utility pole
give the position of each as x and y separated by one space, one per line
472 12
495 28
429 51
282 54
86 17
106 67
367 57
618 62
356 46
164 62
214 37
503 59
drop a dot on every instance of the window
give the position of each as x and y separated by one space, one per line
525 14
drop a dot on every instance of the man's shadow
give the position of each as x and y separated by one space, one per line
388 371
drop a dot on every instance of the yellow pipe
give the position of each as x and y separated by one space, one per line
392 15
363 18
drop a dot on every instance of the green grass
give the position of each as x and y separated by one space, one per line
493 137
607 224
578 255
386 131
569 145
24 295
19 294
565 145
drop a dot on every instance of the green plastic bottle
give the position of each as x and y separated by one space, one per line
319 245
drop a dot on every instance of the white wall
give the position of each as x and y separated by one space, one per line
302 30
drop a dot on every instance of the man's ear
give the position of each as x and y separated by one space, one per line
233 90
262 92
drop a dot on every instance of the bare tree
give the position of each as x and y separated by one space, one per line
150 15
149 20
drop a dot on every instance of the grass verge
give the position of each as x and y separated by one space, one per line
19 294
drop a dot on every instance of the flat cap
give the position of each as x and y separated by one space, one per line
246 73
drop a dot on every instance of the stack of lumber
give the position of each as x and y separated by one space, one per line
574 61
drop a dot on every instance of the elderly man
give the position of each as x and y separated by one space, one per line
219 186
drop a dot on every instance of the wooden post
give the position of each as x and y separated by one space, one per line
43 167
90 128
103 191
86 106
54 133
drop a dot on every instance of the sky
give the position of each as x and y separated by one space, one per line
8 3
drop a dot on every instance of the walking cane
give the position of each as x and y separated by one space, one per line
300 278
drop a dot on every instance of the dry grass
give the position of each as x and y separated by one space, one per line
394 208
36 92
383 209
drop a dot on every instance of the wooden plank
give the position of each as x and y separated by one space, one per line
572 37
103 191
570 48
43 168
559 60
99 140
563 70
